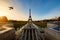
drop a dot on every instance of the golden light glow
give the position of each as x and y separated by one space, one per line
10 14
2 13
3 8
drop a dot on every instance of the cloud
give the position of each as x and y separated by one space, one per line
52 14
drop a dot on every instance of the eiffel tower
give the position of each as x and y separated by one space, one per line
30 18
30 31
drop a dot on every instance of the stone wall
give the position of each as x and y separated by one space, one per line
51 35
8 35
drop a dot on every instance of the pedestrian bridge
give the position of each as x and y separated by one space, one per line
30 32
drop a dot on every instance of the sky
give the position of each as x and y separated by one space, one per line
40 9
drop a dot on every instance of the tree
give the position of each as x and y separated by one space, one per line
58 18
3 19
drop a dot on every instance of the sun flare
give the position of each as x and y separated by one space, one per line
2 13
